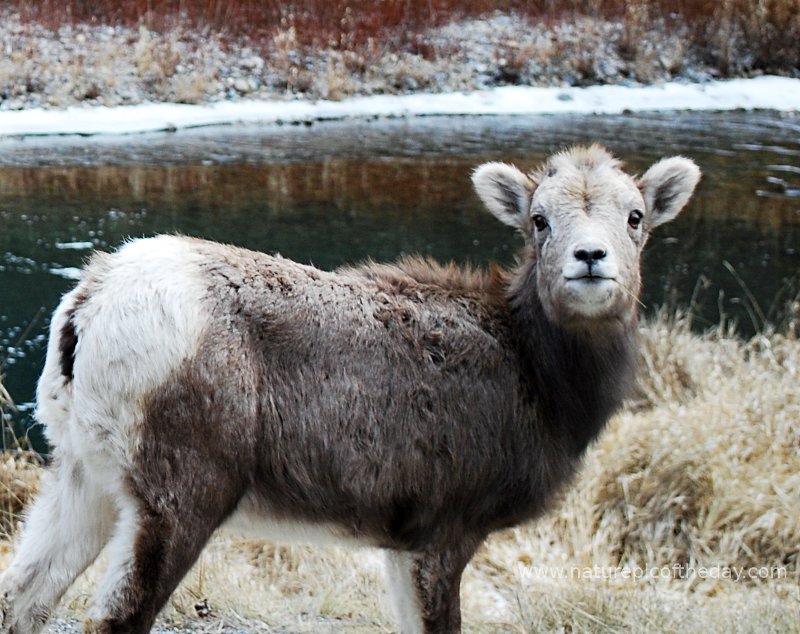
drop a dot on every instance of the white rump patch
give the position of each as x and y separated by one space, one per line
139 314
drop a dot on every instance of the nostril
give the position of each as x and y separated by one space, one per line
587 255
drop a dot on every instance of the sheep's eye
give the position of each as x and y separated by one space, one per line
635 219
540 222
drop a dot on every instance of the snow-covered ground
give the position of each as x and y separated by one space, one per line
768 92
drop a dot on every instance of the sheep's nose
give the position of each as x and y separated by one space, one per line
590 255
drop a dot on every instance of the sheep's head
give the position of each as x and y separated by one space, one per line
586 222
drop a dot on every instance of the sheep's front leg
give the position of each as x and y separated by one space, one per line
67 526
425 589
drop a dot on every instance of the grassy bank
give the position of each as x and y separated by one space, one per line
58 54
699 475
733 35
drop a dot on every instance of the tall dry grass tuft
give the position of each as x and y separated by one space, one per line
742 36
19 478
20 474
5 399
700 471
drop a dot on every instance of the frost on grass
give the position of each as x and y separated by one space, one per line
118 65
701 471
60 54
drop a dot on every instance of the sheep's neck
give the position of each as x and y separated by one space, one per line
576 378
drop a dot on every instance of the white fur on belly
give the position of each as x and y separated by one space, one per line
251 521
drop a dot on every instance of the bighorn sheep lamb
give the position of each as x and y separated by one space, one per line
410 406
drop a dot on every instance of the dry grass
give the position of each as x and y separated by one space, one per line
5 399
57 54
19 481
733 35
19 478
701 470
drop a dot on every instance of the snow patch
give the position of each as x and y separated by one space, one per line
75 246
67 272
767 92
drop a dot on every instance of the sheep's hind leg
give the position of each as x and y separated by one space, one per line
171 511
67 526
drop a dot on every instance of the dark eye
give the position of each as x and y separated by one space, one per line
635 219
540 222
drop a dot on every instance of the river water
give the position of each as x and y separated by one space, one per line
336 193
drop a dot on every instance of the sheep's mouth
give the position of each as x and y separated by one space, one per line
590 279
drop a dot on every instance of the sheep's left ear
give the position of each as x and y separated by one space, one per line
667 187
507 193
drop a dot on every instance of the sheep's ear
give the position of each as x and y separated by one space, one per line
506 192
667 187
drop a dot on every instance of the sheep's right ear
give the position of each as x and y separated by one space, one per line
506 192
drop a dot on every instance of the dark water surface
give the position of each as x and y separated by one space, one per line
336 193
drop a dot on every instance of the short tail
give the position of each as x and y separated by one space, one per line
68 341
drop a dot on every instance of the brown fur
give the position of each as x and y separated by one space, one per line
400 404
